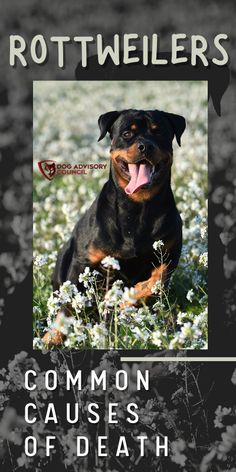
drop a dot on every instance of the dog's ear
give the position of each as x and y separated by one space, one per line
178 124
106 121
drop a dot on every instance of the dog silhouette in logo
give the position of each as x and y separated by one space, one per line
50 168
47 168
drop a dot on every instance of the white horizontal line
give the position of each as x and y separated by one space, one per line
178 359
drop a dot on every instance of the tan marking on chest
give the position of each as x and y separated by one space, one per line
95 255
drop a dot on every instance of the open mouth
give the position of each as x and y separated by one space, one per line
139 174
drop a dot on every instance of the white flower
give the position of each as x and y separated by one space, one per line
190 295
111 263
40 260
158 244
67 291
127 313
156 338
114 295
219 416
177 450
87 277
156 287
180 317
22 460
189 332
53 304
37 343
203 231
79 302
203 259
76 338
98 335
63 323
90 294
129 295
68 288
139 334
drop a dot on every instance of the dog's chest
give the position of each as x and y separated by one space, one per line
134 242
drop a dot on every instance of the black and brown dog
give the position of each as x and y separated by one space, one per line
134 208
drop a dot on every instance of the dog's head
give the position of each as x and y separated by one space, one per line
141 148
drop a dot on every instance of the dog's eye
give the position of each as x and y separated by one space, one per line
127 134
155 129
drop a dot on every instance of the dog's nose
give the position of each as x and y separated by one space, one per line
141 147
145 147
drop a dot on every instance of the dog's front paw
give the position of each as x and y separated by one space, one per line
53 338
135 296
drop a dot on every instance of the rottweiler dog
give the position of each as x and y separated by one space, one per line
135 207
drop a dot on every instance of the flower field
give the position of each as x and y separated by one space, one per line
66 131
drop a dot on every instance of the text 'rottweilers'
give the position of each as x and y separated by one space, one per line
123 49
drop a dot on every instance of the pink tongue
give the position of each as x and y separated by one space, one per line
140 175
